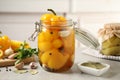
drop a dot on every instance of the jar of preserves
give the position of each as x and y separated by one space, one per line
110 39
56 42
56 46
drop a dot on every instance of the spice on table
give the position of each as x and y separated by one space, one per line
33 71
20 71
95 65
6 68
10 70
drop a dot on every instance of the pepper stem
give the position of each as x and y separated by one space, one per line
52 11
0 33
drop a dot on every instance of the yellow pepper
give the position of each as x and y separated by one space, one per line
52 19
4 42
46 18
16 44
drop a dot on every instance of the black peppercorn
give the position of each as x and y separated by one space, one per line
9 69
51 32
6 68
50 53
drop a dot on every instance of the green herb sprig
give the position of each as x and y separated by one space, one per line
25 52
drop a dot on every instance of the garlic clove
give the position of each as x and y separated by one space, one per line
64 33
12 56
33 65
19 66
8 51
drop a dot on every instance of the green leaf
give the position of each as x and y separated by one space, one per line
25 52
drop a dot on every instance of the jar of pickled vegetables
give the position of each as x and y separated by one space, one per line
110 39
56 42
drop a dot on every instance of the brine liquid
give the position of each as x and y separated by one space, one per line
56 49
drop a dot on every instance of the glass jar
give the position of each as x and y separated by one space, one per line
110 39
56 46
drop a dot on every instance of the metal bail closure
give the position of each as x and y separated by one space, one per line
35 33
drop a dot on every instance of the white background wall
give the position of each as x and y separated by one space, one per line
17 17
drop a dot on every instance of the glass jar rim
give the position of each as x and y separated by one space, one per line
68 19
69 22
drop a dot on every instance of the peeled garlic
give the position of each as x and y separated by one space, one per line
64 33
9 52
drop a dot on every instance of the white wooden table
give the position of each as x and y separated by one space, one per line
73 74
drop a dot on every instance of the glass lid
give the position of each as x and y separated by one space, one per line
86 38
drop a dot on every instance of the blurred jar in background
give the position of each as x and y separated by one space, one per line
110 39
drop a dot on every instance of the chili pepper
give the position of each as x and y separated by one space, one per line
4 42
53 19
